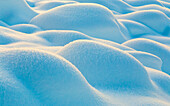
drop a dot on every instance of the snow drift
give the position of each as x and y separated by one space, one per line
84 52
92 19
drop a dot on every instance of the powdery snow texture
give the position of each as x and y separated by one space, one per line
84 52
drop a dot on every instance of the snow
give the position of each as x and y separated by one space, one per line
111 68
147 59
10 36
151 18
15 11
91 19
146 45
47 5
25 28
160 78
45 78
137 29
61 37
84 52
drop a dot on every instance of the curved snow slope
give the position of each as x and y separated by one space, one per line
151 18
47 5
32 45
114 44
104 66
147 59
15 11
153 47
91 19
3 24
160 78
85 52
8 36
145 2
162 39
13 92
50 37
137 29
50 78
25 28
111 4
155 7
61 37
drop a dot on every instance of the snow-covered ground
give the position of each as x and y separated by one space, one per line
84 52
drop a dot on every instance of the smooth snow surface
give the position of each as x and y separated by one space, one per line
84 52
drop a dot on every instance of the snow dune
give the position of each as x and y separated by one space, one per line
84 52
92 19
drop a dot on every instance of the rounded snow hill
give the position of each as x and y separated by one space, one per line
25 28
147 59
27 45
47 5
8 36
50 78
143 2
20 45
114 44
106 67
151 18
136 29
61 37
161 79
92 19
111 4
154 7
153 47
15 12
13 93
161 39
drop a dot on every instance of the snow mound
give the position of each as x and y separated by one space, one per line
27 45
50 78
161 79
84 52
153 47
25 28
47 5
151 18
106 67
8 36
15 12
61 37
114 44
155 7
136 29
12 92
162 39
143 2
92 19
111 4
147 59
